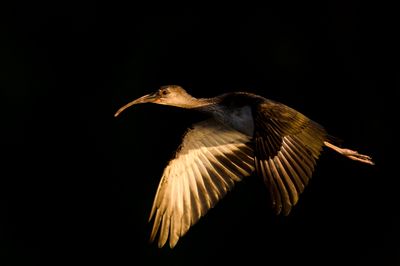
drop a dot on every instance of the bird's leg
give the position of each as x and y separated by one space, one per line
354 155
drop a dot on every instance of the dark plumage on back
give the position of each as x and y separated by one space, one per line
246 133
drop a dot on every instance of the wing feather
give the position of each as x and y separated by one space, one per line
293 195
287 145
211 158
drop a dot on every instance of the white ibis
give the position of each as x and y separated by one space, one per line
245 133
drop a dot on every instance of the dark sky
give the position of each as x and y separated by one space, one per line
77 184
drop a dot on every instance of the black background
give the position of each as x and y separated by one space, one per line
77 184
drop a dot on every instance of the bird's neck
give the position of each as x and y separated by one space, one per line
201 104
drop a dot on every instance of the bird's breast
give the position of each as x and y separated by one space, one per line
240 118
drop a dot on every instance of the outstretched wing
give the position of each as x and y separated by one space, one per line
212 157
287 145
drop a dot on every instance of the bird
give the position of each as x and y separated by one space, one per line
243 134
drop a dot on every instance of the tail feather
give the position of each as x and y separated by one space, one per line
353 155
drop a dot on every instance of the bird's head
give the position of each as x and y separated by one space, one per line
167 95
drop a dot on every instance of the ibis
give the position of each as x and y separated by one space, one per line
244 134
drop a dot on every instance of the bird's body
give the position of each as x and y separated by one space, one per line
245 133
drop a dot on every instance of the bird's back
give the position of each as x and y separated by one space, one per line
240 110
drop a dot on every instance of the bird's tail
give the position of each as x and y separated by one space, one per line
354 155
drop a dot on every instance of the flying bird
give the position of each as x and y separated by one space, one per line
244 133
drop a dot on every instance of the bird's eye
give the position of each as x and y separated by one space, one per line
164 92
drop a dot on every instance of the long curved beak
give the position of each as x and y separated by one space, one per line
149 98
